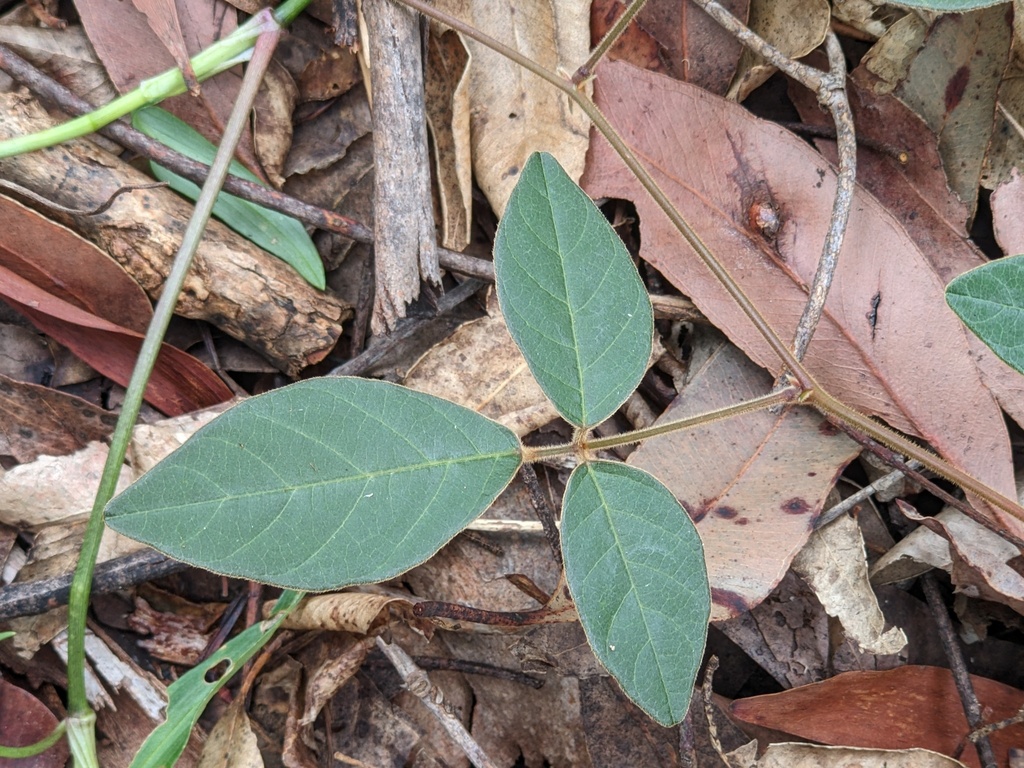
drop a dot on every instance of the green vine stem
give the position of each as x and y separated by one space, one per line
81 718
811 392
39 747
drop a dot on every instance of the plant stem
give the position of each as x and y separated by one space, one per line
222 55
782 396
612 36
78 606
39 747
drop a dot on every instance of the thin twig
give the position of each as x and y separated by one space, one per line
830 88
611 37
542 506
17 189
321 218
418 683
844 506
957 665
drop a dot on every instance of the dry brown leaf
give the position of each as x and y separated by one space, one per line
232 743
513 112
908 707
794 755
65 55
833 564
329 75
890 58
179 383
447 105
272 120
795 27
953 83
162 17
744 481
480 367
887 343
695 48
867 16
358 612
36 420
24 720
54 488
70 267
635 45
325 681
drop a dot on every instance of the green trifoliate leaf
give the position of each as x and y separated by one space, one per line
990 301
322 484
274 232
635 568
571 296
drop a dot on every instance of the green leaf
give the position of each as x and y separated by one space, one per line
571 296
274 232
321 484
635 568
190 693
990 301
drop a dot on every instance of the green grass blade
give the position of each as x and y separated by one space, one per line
571 295
276 233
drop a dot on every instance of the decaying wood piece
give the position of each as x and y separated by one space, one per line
234 285
405 240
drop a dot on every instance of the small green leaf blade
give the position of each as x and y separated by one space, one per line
635 568
281 235
188 696
321 484
571 295
990 301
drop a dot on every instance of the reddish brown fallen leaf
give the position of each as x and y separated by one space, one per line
887 344
70 267
131 52
918 195
162 17
179 384
900 708
38 420
636 45
695 48
25 720
754 485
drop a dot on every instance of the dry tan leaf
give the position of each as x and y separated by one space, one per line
833 564
796 755
1007 202
868 16
513 112
328 678
358 612
744 481
447 105
272 121
887 343
480 367
890 58
795 27
65 55
914 554
55 488
232 743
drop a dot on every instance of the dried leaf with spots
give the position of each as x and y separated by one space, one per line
359 612
887 343
328 678
753 485
815 756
